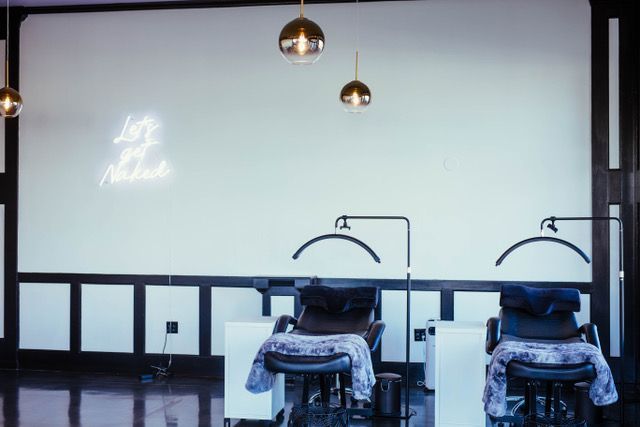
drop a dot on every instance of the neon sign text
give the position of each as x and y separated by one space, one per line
132 164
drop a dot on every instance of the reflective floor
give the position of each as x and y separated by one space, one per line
53 399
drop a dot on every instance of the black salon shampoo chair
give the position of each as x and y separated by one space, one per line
541 315
328 311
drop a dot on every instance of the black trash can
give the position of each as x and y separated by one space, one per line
585 408
387 394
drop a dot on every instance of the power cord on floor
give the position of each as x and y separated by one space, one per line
162 371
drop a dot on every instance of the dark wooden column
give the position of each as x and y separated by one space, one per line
616 186
9 197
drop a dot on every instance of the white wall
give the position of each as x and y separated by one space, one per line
263 157
283 305
231 304
425 305
44 316
172 303
107 318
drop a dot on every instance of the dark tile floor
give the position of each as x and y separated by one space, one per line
54 399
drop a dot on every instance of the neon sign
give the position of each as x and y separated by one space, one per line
133 163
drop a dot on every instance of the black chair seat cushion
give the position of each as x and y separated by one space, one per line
334 364
548 372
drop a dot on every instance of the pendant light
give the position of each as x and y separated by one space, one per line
10 99
355 95
301 41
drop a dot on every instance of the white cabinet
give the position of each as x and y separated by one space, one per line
242 341
460 374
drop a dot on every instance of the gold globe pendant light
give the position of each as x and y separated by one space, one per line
301 41
355 95
10 99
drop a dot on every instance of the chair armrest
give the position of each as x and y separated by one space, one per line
493 334
283 323
374 334
590 332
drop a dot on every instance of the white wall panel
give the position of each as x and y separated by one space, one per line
425 305
172 303
107 318
614 93
282 305
231 304
475 306
614 283
44 316
584 315
246 188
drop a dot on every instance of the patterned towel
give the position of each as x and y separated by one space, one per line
362 376
602 391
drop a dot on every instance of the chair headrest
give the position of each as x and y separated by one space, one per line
540 301
339 300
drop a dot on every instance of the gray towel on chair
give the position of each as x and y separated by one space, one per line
362 376
602 391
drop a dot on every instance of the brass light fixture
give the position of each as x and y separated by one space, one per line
301 41
10 99
355 95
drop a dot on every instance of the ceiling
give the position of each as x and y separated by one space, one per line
54 6
39 3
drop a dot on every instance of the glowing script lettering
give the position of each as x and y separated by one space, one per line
133 163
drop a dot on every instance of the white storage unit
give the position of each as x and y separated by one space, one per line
460 374
430 358
243 338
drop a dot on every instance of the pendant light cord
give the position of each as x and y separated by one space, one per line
357 24
357 34
6 50
301 8
356 64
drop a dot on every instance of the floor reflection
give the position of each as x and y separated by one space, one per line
34 399
41 399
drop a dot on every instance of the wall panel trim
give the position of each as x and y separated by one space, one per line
206 364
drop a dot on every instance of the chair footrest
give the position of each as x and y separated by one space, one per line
551 372
322 365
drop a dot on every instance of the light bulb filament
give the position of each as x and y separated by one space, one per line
302 44
355 98
6 103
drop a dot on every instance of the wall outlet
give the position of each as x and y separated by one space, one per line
172 327
419 334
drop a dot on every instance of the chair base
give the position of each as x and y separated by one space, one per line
325 389
527 407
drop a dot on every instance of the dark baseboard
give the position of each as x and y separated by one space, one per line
120 363
130 364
